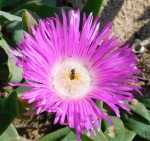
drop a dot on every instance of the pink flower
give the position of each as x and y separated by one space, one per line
68 68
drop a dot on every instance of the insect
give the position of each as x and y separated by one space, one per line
72 75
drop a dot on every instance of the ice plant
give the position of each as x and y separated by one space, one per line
69 66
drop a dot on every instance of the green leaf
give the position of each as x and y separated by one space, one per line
69 137
27 20
11 104
15 27
42 10
9 17
15 72
92 6
50 2
21 90
4 46
116 131
139 109
85 138
24 103
137 125
10 134
9 109
100 105
56 135
4 70
129 135
146 102
99 135
4 3
4 73
3 55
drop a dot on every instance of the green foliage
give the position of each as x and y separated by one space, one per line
99 135
41 9
48 2
10 108
4 3
10 134
139 109
85 138
70 137
138 120
146 102
10 71
9 17
4 73
21 90
138 125
4 70
100 105
14 28
116 131
15 3
56 135
27 20
92 6
129 135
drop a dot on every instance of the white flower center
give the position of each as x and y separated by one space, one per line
71 79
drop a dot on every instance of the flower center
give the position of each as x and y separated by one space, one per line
71 79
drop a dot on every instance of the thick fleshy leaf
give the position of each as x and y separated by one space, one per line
146 102
24 103
99 135
4 45
69 137
3 52
15 27
116 131
4 69
15 73
4 3
129 135
9 109
85 138
92 6
139 109
3 56
4 73
56 135
42 10
50 2
100 105
21 90
10 134
27 20
138 125
9 17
